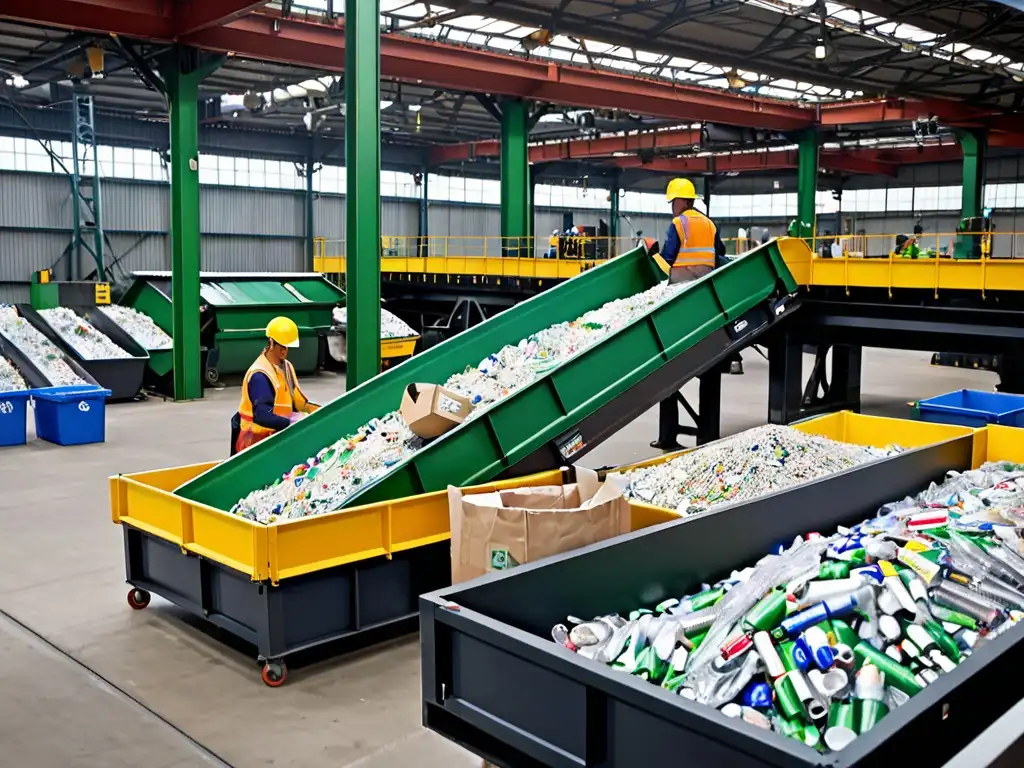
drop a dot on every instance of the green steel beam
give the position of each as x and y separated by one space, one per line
308 201
613 224
515 190
183 69
362 203
424 228
806 184
972 142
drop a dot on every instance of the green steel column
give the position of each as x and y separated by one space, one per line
613 225
424 227
806 184
182 71
973 145
362 201
310 232
531 212
515 192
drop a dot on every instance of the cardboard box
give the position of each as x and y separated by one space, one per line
500 530
431 410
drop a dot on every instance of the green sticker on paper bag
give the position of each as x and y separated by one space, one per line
502 560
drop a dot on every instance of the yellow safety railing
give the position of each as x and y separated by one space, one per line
486 255
981 261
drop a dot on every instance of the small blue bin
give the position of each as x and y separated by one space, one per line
71 415
13 407
971 408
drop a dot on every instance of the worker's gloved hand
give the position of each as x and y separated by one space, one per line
296 417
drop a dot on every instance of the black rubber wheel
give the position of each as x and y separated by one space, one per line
274 673
212 375
138 598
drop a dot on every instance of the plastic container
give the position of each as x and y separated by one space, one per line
13 406
972 408
71 415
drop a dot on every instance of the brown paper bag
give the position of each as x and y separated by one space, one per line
500 530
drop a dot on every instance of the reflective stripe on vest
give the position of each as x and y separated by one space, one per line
284 401
697 243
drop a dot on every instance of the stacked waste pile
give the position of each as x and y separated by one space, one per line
10 379
79 333
43 353
139 326
325 481
391 326
747 465
821 640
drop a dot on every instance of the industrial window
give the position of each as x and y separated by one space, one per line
900 199
926 199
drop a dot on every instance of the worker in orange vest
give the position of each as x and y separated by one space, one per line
271 397
692 240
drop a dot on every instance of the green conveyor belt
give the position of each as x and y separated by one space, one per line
532 416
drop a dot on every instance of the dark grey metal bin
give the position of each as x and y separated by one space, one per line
348 602
494 682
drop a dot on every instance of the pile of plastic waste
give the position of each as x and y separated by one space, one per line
10 379
42 352
79 333
139 326
391 326
822 639
746 465
324 482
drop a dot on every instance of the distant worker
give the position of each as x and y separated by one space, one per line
553 245
693 242
271 397
765 236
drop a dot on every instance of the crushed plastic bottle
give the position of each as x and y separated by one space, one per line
80 334
139 326
358 459
746 465
43 353
391 326
10 379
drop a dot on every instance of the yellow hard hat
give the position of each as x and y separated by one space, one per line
680 188
284 331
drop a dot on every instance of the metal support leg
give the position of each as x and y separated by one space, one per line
707 421
362 159
183 69
310 232
785 379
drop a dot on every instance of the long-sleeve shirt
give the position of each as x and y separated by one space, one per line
670 250
261 394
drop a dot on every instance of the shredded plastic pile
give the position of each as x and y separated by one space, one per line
324 482
752 463
821 640
139 326
391 326
43 353
79 333
10 379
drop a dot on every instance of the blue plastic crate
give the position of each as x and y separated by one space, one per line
71 415
13 406
971 408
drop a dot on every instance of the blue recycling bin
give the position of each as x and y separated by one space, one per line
13 407
71 415
972 408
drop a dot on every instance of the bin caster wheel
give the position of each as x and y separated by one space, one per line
212 376
138 598
274 673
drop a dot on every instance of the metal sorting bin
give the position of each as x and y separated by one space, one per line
299 583
494 681
32 375
236 307
161 361
122 376
613 379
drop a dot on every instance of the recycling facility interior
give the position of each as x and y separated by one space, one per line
434 161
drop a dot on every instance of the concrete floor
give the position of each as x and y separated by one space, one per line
88 682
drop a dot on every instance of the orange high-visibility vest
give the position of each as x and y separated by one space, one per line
288 398
696 239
